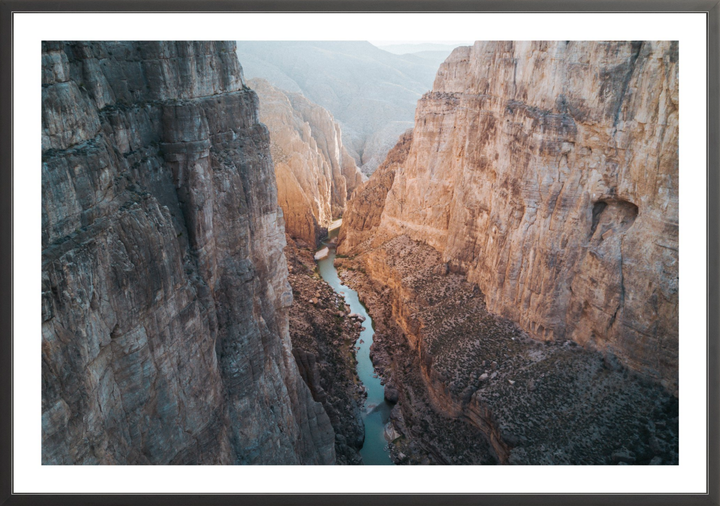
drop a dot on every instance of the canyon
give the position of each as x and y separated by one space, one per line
523 239
514 252
372 93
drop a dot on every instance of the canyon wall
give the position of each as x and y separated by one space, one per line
315 173
165 289
547 173
365 209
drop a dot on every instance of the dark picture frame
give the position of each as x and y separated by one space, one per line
711 8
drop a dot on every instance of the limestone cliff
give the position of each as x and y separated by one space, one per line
365 210
315 174
164 293
547 172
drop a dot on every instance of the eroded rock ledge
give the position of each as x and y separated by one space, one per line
474 388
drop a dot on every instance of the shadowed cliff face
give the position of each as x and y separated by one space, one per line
548 174
315 174
165 293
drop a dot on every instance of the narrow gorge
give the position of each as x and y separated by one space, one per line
315 173
372 93
231 275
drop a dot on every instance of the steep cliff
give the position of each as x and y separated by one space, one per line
365 210
547 173
165 293
315 174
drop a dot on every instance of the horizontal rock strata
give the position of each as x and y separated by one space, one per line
164 292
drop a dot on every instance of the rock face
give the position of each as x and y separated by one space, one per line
165 292
315 174
365 210
547 173
372 93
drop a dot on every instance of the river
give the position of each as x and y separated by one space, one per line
377 409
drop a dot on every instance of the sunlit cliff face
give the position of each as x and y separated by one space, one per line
314 172
548 173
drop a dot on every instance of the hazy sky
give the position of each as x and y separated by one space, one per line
396 42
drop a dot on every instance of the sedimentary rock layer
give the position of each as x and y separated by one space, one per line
547 172
315 174
165 294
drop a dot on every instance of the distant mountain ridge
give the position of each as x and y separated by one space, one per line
419 48
372 93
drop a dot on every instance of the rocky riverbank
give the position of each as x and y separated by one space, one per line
474 388
323 339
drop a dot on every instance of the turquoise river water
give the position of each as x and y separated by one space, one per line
377 410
